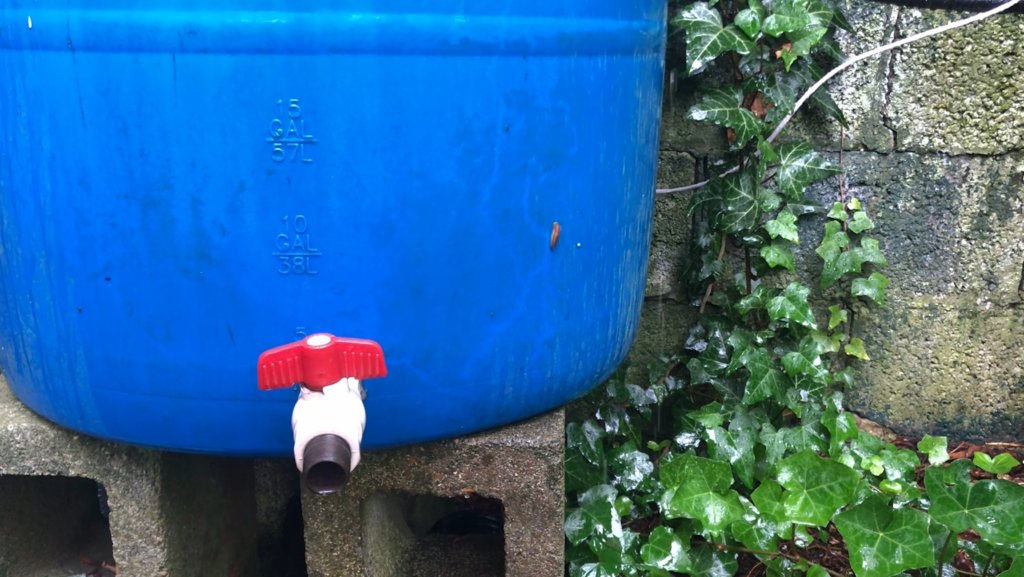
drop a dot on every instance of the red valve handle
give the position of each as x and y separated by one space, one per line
320 360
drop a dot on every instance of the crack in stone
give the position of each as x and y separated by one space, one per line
890 74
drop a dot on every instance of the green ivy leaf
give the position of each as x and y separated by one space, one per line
706 38
783 225
736 446
799 166
708 563
792 306
739 197
899 463
855 348
823 101
580 475
749 19
935 448
774 444
837 212
1016 569
809 436
872 287
835 234
815 488
992 507
708 415
755 530
665 550
778 254
698 488
883 541
841 427
805 39
596 515
632 468
586 438
836 261
766 381
860 222
806 360
868 252
1000 465
837 316
819 12
787 16
770 200
724 106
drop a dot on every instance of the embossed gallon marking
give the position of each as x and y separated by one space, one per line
293 247
288 141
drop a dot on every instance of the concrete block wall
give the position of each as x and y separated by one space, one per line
936 148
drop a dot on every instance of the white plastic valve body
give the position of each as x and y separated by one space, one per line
337 410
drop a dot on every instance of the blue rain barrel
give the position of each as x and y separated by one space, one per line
185 184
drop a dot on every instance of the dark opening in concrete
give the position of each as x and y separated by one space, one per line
427 536
51 526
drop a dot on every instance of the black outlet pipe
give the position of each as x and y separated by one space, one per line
957 5
326 464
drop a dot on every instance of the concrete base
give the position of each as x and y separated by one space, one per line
379 525
169 514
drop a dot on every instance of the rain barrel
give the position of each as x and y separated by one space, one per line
186 184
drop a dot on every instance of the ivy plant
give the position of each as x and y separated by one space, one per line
738 456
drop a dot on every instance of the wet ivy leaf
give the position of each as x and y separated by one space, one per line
665 550
803 207
586 438
992 507
778 254
709 415
787 16
770 200
837 316
783 226
792 306
1000 465
819 12
836 261
799 166
855 348
872 287
596 515
883 541
632 468
803 40
736 447
868 252
580 474
1016 569
837 212
766 381
841 427
724 106
765 148
709 563
935 448
698 488
755 530
706 38
834 234
755 301
810 436
839 18
824 102
860 222
815 488
749 19
899 464
806 360
774 444
739 197
599 570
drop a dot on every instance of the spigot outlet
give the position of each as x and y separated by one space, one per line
328 418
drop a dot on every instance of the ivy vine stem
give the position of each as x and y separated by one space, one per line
942 556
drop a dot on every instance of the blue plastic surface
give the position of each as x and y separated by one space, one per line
185 184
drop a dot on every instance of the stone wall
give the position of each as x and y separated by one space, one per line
936 149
